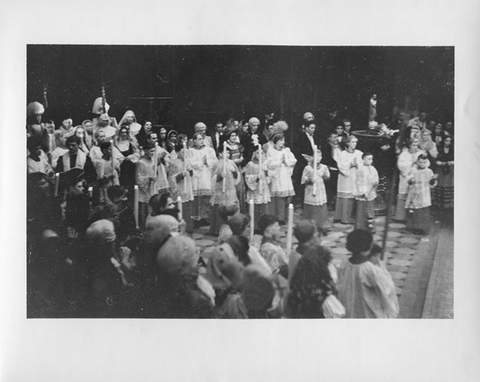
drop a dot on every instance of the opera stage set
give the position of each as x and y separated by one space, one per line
177 86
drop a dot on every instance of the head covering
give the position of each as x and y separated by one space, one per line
304 230
277 127
128 113
252 120
199 125
34 108
224 269
178 256
160 221
258 290
172 132
101 232
97 107
109 131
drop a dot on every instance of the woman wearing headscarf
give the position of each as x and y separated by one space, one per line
141 137
127 145
429 146
172 137
130 120
225 274
178 292
79 131
88 128
109 280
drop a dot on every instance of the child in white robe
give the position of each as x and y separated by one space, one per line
280 163
107 173
225 170
315 199
258 181
418 202
180 174
366 183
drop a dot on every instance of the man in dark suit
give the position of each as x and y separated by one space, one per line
216 136
303 145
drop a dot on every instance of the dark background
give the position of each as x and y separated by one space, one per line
180 85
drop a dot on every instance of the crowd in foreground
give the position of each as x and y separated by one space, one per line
110 207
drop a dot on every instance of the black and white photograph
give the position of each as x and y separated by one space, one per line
240 181
228 191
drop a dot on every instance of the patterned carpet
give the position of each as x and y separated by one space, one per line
401 245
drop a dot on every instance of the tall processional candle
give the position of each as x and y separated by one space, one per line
259 160
112 158
224 166
135 204
289 229
180 208
252 212
57 183
314 166
185 166
155 164
90 195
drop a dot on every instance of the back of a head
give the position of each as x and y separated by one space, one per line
115 191
161 221
158 202
238 223
240 247
177 258
101 232
304 230
266 221
359 240
224 269
258 290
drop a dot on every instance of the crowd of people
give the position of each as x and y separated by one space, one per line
111 207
